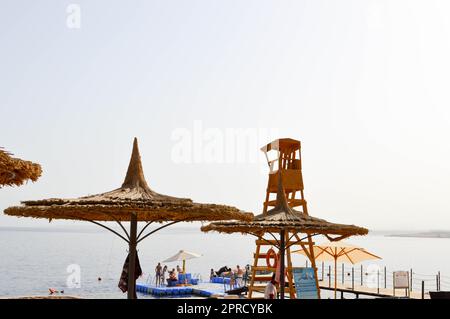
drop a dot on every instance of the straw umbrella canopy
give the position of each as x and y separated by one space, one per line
281 219
182 255
134 201
14 171
340 251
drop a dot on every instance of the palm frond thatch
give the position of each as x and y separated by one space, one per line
134 196
311 225
14 171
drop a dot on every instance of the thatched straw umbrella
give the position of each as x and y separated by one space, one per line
14 171
283 219
134 201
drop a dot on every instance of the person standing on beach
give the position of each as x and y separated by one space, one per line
232 279
163 275
247 273
158 271
271 290
239 275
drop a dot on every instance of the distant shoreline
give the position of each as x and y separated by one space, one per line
88 229
429 234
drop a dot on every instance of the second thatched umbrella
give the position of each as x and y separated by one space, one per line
14 171
282 220
134 201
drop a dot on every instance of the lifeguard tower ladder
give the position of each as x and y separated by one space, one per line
287 161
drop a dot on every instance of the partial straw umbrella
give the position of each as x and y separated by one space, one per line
340 251
14 171
133 202
183 256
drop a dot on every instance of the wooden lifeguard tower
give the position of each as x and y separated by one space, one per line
284 160
280 225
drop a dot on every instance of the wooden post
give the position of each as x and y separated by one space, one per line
329 276
353 278
378 281
423 289
408 291
132 257
385 277
439 281
323 270
411 280
290 276
282 251
335 273
393 285
361 275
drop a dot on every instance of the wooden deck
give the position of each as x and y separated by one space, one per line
362 291
373 292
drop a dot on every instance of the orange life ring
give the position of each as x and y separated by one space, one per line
269 255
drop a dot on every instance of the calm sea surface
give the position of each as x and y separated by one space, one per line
33 260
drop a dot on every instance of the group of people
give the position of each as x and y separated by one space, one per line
236 276
160 274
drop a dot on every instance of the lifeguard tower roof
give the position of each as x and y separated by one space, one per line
282 143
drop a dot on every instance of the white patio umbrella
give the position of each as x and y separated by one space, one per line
342 251
182 255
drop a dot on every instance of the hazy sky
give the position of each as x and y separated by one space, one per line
363 84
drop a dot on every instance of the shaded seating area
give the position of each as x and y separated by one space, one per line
183 279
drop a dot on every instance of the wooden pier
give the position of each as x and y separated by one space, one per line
374 292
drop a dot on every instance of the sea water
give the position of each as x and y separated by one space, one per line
32 260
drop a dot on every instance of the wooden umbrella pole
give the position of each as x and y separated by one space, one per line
132 257
335 276
282 249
